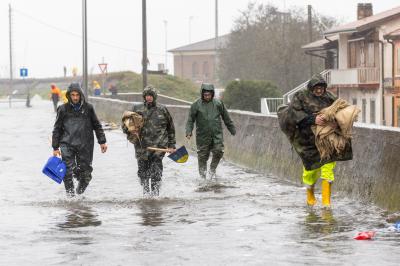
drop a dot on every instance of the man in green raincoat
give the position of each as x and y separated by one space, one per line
296 121
207 112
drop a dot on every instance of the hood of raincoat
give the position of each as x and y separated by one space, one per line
317 79
207 87
150 90
75 87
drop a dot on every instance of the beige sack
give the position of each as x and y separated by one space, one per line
132 123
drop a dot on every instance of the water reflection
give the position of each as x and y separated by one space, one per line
151 212
212 186
79 215
320 223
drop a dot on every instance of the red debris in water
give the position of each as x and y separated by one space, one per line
365 235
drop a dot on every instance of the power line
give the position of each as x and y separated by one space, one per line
79 35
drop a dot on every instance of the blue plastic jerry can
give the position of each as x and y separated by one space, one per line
397 226
55 168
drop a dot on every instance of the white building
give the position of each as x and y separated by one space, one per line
362 60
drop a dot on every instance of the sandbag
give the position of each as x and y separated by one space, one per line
132 123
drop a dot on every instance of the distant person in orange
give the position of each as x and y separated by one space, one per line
55 95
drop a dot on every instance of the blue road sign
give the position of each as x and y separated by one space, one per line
23 72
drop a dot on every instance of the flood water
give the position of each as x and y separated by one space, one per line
245 218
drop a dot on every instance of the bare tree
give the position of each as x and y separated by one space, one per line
265 44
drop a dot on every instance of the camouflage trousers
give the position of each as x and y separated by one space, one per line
150 172
79 165
203 153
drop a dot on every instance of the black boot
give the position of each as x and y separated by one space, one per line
84 180
69 185
82 185
70 193
146 186
216 158
155 188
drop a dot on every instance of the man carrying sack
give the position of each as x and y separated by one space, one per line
304 116
157 131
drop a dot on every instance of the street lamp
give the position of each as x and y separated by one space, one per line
190 28
84 48
144 44
166 44
216 41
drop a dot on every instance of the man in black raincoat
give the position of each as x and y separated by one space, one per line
158 131
73 135
296 121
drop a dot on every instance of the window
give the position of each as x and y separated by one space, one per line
354 101
206 72
195 70
364 110
398 60
352 55
362 54
371 55
372 112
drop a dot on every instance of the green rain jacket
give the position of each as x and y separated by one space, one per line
207 116
297 122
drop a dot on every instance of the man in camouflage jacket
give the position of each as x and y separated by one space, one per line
300 116
158 131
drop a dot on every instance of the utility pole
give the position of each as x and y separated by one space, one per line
144 40
85 56
190 29
166 45
310 36
11 50
216 40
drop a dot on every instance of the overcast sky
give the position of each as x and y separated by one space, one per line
47 32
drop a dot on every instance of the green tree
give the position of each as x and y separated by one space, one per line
246 94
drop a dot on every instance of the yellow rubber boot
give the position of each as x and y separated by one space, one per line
311 201
326 193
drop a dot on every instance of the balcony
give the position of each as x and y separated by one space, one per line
354 77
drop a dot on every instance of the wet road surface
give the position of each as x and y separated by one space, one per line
245 218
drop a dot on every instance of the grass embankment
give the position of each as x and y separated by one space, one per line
125 81
166 84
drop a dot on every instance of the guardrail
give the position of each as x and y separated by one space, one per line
17 98
269 106
288 96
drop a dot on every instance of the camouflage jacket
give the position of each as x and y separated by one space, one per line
158 130
303 109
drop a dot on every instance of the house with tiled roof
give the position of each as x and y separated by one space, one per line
362 60
196 61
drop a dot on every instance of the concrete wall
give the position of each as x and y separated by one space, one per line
373 175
